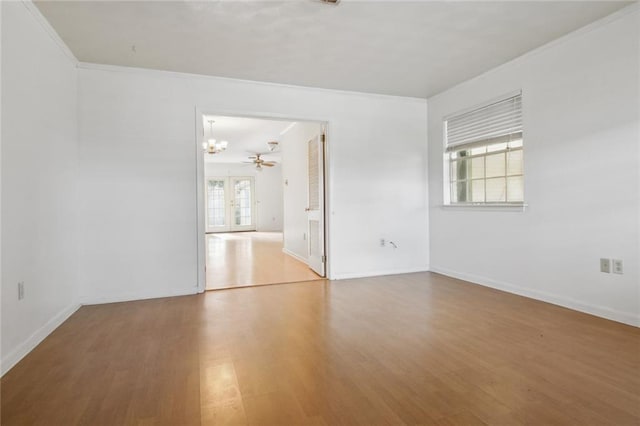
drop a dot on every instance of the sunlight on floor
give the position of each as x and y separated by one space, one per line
251 258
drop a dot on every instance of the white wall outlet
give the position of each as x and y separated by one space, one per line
21 290
605 265
617 266
382 242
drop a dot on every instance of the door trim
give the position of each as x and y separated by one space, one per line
200 239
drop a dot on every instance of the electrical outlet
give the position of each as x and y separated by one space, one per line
304 236
21 290
617 266
382 242
605 265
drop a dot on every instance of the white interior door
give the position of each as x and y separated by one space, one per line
243 204
217 200
315 209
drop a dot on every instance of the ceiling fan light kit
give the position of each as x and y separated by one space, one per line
273 145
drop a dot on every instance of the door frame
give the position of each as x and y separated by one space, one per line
200 179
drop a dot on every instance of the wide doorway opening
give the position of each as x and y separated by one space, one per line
263 201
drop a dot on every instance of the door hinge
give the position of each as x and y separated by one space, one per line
324 137
324 259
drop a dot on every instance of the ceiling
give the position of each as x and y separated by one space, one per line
390 47
245 136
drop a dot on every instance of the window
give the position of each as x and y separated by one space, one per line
484 155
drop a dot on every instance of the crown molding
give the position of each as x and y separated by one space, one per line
178 74
627 10
39 17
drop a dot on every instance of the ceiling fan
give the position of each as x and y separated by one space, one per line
259 162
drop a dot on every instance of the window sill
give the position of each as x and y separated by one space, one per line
498 207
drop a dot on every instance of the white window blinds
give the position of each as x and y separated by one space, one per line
496 122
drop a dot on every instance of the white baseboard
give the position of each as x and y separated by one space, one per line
350 275
130 297
599 311
295 256
36 338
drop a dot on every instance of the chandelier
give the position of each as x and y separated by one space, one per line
212 146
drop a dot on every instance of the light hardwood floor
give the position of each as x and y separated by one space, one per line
407 349
240 259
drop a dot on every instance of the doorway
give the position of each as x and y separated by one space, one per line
262 201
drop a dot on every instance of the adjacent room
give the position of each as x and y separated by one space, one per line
320 212
258 197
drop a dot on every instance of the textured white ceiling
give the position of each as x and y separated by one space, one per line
389 47
245 136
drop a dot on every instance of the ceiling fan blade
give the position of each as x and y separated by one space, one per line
269 164
249 162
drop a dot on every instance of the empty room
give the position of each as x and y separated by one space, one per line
442 196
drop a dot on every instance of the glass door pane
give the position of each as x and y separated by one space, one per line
243 204
216 204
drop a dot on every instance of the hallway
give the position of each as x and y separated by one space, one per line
241 259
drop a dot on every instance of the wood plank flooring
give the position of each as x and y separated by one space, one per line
407 349
240 259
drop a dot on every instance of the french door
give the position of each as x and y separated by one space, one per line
230 204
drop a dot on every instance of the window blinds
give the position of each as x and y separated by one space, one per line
499 121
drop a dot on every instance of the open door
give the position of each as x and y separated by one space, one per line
315 209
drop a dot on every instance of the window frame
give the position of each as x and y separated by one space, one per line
447 160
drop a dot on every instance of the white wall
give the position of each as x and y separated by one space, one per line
138 170
39 182
295 173
268 188
580 101
2 364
